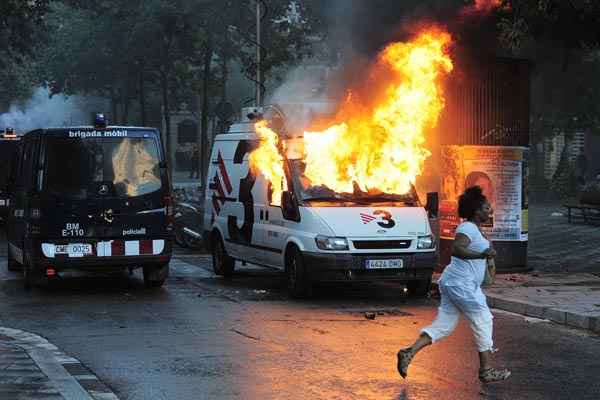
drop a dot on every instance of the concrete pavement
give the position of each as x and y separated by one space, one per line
564 286
556 246
31 368
569 299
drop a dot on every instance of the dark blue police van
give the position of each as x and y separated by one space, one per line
90 198
9 143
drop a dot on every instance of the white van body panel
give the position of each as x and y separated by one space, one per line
364 221
253 230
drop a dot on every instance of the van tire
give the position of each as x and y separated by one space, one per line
155 277
11 264
297 279
223 264
419 288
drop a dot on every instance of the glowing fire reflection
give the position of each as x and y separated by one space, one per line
483 7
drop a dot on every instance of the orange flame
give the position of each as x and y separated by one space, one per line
267 160
484 7
379 147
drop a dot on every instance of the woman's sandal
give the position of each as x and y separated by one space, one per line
405 356
493 375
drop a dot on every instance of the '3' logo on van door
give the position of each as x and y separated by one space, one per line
386 219
243 235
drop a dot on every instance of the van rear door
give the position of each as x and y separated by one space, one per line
105 184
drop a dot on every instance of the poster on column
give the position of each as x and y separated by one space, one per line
501 172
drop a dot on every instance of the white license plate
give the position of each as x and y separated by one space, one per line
384 264
73 249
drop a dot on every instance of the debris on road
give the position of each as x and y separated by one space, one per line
370 315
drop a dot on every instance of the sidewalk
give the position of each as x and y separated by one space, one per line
564 286
31 368
569 299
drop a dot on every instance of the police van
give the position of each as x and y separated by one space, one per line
316 235
9 142
90 198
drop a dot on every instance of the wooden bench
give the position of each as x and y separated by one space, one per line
589 212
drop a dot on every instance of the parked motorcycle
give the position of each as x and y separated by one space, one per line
188 216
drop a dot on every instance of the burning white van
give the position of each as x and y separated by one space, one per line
310 231
334 200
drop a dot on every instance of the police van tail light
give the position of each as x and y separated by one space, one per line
169 212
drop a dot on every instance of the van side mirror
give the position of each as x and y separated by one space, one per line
289 206
433 204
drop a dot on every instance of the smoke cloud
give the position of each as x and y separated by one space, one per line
43 111
303 96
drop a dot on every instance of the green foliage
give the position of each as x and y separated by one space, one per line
571 24
21 24
561 38
19 21
103 47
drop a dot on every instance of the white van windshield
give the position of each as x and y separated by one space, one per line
309 193
126 167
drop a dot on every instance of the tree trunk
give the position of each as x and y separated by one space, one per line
566 59
142 94
114 106
125 112
164 83
224 77
204 150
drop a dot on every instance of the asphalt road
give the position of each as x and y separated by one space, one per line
202 337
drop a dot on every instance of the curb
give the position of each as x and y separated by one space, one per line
536 310
72 379
569 318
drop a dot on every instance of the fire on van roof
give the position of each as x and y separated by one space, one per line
377 138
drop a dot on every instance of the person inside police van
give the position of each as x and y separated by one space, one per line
460 289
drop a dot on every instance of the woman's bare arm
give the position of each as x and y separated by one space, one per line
459 249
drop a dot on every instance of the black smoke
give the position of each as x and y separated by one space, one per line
366 26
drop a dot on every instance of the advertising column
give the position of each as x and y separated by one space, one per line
501 171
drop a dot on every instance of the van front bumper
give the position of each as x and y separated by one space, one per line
333 267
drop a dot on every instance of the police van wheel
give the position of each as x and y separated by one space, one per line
223 264
155 277
297 280
154 284
419 288
11 263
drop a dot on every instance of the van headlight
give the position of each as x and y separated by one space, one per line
331 243
425 242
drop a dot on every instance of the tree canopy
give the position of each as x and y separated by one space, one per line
21 25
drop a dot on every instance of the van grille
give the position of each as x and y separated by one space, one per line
381 244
